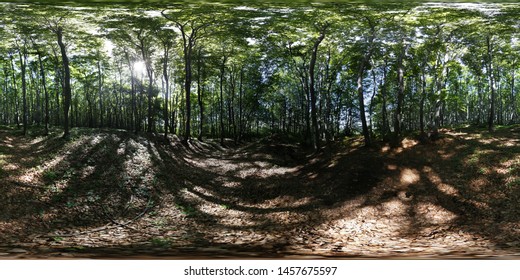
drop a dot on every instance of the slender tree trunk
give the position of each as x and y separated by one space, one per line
23 64
306 101
513 100
199 94
121 111
167 90
361 73
134 123
58 84
361 100
498 86
149 72
100 92
34 108
400 97
5 102
421 105
86 89
44 84
175 114
312 90
221 107
66 83
15 88
491 115
479 105
240 94
371 106
187 89
231 111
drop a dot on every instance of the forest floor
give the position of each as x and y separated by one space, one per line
112 194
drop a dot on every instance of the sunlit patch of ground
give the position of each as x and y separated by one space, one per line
409 176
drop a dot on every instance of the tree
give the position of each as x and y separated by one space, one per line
192 28
56 26
166 37
364 60
314 73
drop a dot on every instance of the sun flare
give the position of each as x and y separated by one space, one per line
139 68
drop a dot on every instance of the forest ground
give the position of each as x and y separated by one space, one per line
112 194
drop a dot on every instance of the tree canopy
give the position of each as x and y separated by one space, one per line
314 72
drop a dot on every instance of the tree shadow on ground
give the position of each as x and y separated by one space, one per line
264 197
246 182
434 185
74 186
464 184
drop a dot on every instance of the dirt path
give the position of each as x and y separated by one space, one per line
110 194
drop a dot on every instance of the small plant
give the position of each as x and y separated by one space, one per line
92 197
186 210
513 184
225 206
57 238
160 222
69 173
52 188
50 176
75 248
473 159
70 204
160 242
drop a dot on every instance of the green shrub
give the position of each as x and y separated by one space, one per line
50 176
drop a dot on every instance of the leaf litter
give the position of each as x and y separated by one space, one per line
113 194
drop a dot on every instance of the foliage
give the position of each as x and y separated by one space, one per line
252 67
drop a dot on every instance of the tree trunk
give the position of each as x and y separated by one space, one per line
371 106
134 124
149 73
16 109
167 90
187 89
491 115
306 101
513 100
23 64
240 94
421 105
400 97
5 101
58 84
199 95
86 89
221 114
361 72
361 99
231 100
312 90
479 105
67 94
100 92
44 84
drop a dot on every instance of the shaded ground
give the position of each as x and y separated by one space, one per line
111 194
